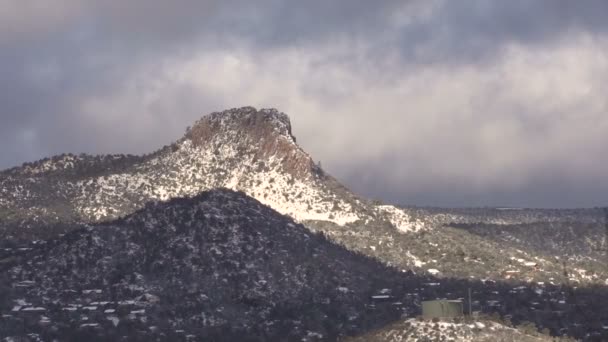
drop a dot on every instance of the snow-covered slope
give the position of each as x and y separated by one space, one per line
241 149
253 151
414 330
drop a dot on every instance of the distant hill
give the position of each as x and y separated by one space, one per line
219 265
254 151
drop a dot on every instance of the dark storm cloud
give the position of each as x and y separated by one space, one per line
542 190
472 90
470 30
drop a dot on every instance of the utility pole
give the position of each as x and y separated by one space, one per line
470 304
606 232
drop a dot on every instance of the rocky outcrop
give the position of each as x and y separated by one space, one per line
264 134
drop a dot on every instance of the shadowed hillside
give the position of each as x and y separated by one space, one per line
222 266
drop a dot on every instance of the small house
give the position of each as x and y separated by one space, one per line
381 298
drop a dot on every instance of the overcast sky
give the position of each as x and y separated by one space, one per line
431 102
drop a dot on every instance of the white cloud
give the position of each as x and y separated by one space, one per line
495 126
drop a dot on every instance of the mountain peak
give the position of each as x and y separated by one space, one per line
263 134
258 124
